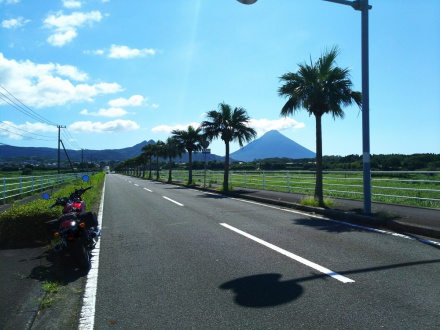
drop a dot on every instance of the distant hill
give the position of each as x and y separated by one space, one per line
273 144
11 153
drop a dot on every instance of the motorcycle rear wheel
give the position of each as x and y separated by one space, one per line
79 252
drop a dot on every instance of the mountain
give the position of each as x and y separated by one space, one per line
11 153
8 153
273 144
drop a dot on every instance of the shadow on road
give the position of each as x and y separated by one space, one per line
328 226
264 290
57 267
267 290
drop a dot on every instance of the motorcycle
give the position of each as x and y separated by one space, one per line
77 230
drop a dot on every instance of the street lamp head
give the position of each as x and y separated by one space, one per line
247 2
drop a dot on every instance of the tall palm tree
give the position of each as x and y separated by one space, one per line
148 150
171 149
319 88
230 125
158 152
191 139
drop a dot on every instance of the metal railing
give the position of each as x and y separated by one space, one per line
421 187
17 187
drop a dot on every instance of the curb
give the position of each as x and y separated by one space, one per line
396 226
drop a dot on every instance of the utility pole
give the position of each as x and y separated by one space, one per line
59 146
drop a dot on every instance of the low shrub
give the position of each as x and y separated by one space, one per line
24 225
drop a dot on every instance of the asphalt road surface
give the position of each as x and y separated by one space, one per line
176 258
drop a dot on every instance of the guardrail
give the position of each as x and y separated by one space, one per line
419 188
21 186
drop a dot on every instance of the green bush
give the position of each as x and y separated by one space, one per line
24 225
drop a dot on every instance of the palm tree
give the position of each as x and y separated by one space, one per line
230 125
148 150
191 139
171 149
158 152
319 88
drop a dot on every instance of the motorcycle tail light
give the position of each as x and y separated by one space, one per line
82 225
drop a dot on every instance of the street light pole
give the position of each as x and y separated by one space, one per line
364 7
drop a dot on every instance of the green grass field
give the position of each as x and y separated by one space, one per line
405 188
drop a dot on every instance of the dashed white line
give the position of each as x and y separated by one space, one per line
148 190
306 262
169 199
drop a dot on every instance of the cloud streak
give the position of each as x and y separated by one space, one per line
65 27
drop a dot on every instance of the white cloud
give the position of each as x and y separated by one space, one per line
10 2
70 71
14 23
110 126
65 26
71 4
169 129
112 112
45 85
126 52
19 132
265 125
133 101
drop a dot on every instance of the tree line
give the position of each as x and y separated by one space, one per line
320 88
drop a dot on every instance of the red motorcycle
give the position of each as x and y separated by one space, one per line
76 229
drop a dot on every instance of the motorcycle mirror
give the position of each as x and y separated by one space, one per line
46 196
85 178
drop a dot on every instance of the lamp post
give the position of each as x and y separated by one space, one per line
363 7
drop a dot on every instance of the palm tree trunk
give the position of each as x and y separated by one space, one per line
318 186
190 177
149 175
226 174
169 172
157 168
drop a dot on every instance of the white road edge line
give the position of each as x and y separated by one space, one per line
87 316
148 190
169 199
306 262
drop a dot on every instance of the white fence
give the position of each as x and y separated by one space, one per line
15 187
422 187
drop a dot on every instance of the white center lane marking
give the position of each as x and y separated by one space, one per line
306 262
169 199
148 190
136 185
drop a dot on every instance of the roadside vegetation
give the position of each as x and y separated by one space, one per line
23 225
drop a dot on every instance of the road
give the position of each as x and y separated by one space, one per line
176 258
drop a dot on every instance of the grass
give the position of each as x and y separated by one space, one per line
405 188
312 201
51 289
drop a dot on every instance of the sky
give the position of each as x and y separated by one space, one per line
113 73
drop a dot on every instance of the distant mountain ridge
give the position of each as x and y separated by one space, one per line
273 144
8 153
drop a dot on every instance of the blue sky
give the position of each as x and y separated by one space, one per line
117 72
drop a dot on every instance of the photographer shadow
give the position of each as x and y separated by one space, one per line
264 290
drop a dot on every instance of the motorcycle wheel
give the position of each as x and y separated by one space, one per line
80 254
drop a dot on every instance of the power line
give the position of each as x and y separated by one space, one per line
28 137
23 108
47 138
